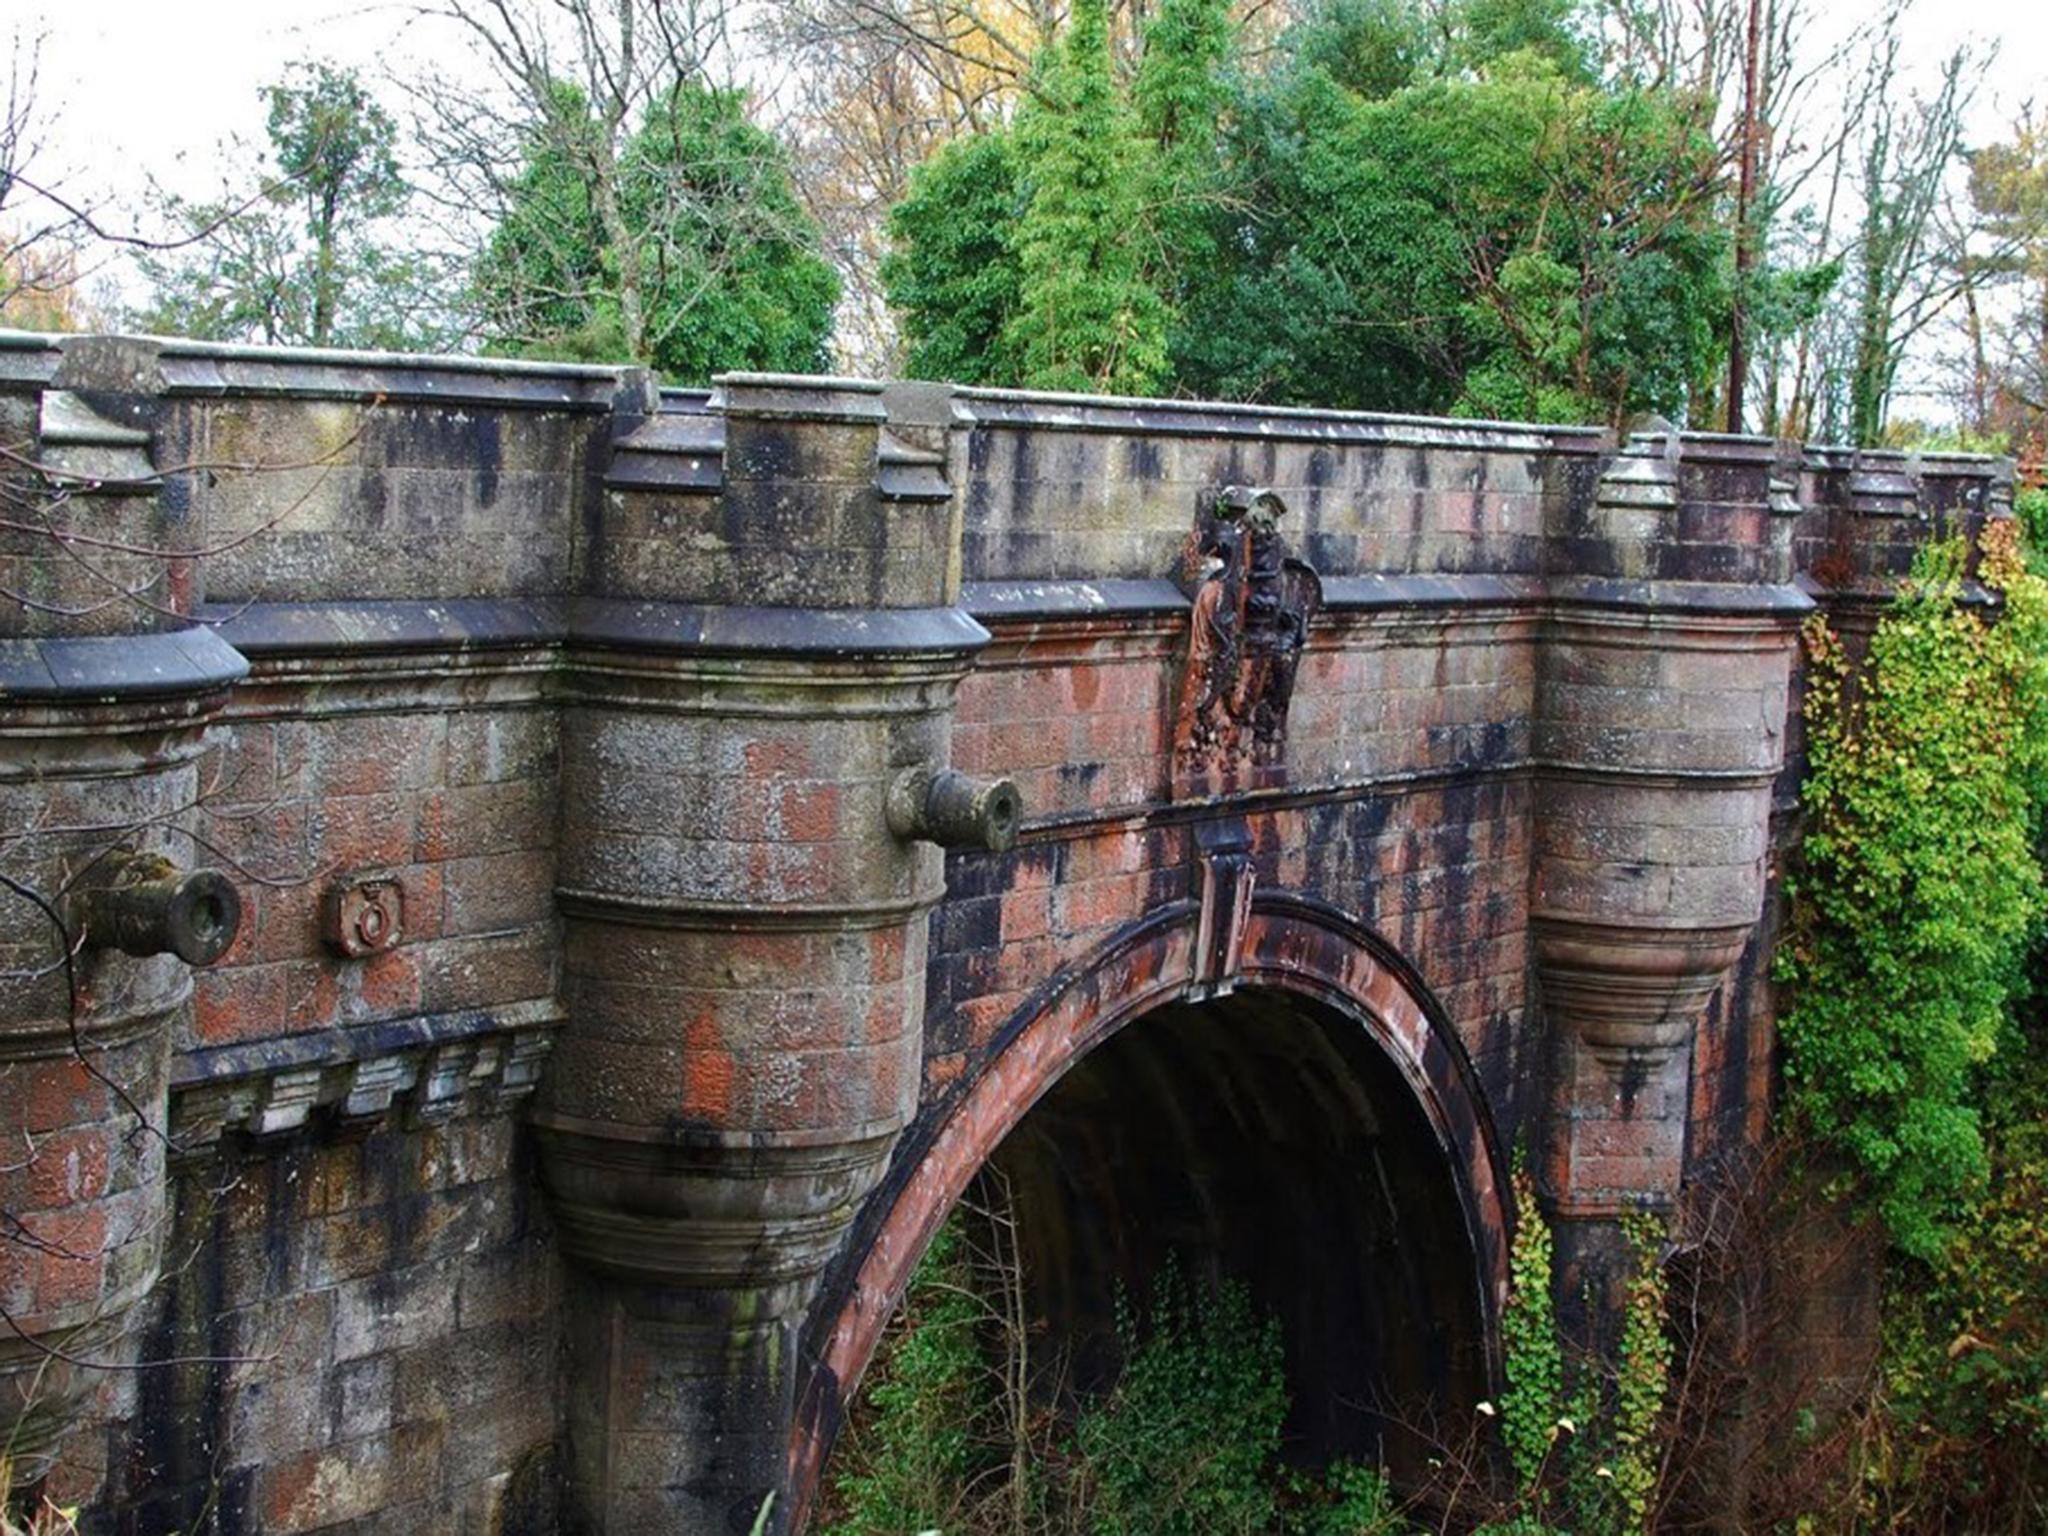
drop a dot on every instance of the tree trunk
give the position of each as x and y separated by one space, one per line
323 271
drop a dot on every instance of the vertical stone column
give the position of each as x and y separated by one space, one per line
105 691
1662 694
755 750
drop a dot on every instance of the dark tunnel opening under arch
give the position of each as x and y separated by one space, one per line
1266 1138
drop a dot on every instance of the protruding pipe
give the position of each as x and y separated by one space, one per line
143 904
955 810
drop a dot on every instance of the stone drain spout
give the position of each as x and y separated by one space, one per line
954 809
142 904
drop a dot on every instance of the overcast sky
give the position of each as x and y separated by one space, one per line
150 87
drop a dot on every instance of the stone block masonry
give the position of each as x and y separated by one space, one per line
590 935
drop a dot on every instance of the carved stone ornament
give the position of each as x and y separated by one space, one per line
1252 610
364 915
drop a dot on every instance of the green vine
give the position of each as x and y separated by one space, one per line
1533 1404
1643 1374
1918 890
1585 1438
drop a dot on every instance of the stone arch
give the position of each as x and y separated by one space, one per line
1294 946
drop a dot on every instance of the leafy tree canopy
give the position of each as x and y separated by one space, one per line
1410 211
727 263
305 262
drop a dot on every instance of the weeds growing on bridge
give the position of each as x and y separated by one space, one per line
964 1432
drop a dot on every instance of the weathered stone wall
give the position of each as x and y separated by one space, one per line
601 1028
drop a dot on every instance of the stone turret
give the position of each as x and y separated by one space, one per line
755 779
106 689
1661 715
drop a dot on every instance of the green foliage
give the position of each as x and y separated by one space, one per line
952 271
1965 1360
918 1452
1357 1501
1369 48
1642 1379
1918 890
1087 316
305 263
1180 94
334 148
1585 1440
1512 243
1416 211
1184 1445
1184 1441
1966 1338
2030 506
1534 1401
714 260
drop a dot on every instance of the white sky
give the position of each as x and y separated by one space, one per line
150 87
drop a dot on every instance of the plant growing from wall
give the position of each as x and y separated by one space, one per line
1918 889
1584 1437
1633 1458
967 1428
1533 1405
1962 1438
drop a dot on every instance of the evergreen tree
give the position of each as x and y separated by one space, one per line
727 271
952 272
1179 96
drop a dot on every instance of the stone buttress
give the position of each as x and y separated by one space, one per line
751 795
106 691
1661 718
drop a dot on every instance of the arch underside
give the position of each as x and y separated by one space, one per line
1315 1133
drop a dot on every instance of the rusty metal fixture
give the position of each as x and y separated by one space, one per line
1251 616
142 904
954 809
363 915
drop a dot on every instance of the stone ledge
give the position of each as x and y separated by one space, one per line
27 357
329 628
1011 601
85 668
215 369
1011 408
439 1065
691 629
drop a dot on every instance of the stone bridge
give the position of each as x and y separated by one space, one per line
567 882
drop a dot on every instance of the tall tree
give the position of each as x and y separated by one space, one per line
1179 95
1903 275
952 272
606 152
727 270
314 260
1087 316
334 149
2008 190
